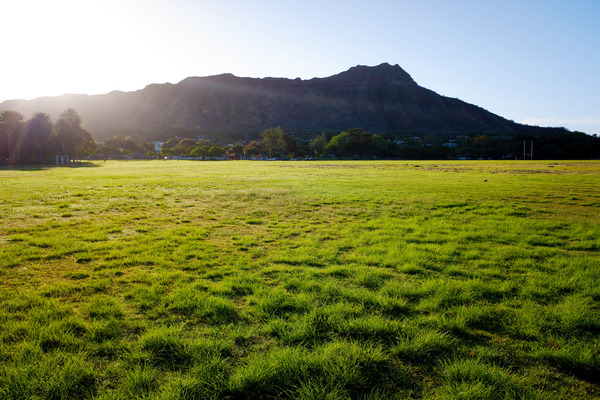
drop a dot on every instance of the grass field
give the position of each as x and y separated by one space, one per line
304 280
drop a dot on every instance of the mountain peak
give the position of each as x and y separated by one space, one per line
381 74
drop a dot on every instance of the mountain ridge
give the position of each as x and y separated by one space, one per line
378 99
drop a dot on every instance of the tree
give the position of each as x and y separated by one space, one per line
10 124
317 144
169 144
235 149
200 151
215 151
274 141
291 145
124 144
338 144
353 142
379 146
108 152
360 142
39 131
185 147
187 143
166 152
70 138
253 149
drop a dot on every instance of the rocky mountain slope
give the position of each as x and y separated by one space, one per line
377 99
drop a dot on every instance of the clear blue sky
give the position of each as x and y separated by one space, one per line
531 61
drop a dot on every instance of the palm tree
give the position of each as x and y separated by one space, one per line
10 122
39 131
71 117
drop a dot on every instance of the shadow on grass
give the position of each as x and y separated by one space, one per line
44 167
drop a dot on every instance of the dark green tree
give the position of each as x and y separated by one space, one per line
70 138
123 143
200 151
317 144
253 149
185 147
291 145
379 146
10 128
39 130
187 143
353 142
166 152
274 141
169 144
235 149
216 151
338 144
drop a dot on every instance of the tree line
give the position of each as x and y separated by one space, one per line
39 139
273 143
356 143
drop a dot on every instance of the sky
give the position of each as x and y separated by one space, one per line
531 61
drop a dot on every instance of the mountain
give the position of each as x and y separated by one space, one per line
377 99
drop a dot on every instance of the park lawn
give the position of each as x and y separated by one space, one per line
329 280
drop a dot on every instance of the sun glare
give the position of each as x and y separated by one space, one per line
75 47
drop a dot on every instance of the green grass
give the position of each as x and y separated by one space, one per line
300 280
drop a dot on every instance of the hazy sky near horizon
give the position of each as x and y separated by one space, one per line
535 62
